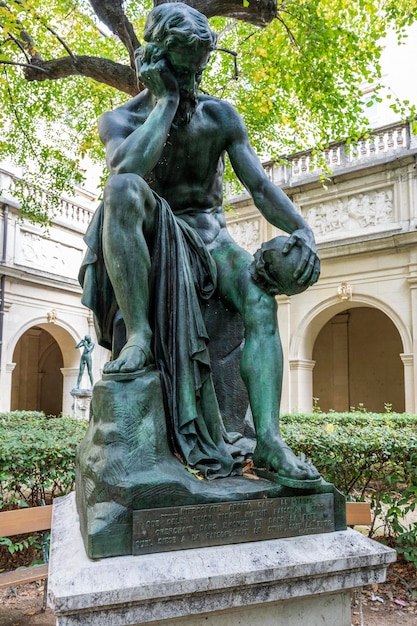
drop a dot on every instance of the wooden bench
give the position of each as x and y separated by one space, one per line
358 514
19 522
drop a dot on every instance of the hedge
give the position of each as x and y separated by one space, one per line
37 457
365 455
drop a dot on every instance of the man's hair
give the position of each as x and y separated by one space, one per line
175 25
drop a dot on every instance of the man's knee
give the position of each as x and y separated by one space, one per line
126 191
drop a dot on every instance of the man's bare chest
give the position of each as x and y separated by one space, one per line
189 153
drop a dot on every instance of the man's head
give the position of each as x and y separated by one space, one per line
182 36
175 26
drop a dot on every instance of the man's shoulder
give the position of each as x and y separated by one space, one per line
221 109
216 103
126 117
127 109
225 116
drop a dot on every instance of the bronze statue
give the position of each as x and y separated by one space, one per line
159 247
85 360
165 152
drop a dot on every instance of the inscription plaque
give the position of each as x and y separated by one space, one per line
198 526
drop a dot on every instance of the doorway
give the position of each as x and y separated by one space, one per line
37 382
358 363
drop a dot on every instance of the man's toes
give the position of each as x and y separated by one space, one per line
128 366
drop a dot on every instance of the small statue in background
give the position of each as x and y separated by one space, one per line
88 346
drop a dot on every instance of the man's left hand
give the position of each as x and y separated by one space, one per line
308 270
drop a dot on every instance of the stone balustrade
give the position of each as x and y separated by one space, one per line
69 213
382 144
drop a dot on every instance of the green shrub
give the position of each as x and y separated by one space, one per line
37 456
366 456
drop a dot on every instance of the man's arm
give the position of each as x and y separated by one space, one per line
272 202
137 151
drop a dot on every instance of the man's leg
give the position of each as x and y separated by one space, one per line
80 372
262 362
90 371
128 224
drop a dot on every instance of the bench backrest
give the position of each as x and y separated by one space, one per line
358 513
28 520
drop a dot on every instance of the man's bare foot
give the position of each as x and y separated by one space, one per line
277 458
132 358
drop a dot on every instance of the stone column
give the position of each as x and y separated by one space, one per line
409 382
6 386
340 362
301 385
29 380
412 395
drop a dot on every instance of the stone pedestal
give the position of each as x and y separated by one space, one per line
81 400
283 582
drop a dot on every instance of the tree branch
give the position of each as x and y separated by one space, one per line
29 65
61 41
258 12
105 71
111 13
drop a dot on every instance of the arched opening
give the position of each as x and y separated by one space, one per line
37 382
357 355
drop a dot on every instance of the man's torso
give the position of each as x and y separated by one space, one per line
189 173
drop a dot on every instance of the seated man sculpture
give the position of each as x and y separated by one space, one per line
158 245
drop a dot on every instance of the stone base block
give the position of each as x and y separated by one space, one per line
300 580
81 400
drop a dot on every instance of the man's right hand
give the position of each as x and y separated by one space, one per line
159 78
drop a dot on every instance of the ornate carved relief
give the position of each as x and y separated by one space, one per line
344 291
48 255
351 212
51 316
247 234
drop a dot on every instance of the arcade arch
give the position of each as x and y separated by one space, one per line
357 362
346 353
42 355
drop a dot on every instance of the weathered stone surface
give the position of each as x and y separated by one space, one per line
269 582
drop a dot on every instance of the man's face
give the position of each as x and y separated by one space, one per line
188 66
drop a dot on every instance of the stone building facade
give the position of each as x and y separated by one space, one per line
350 340
41 315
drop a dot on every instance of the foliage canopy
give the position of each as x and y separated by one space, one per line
295 72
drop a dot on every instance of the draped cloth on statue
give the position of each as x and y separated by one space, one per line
182 272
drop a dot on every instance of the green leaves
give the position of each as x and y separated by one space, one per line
299 82
37 456
19 546
367 456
